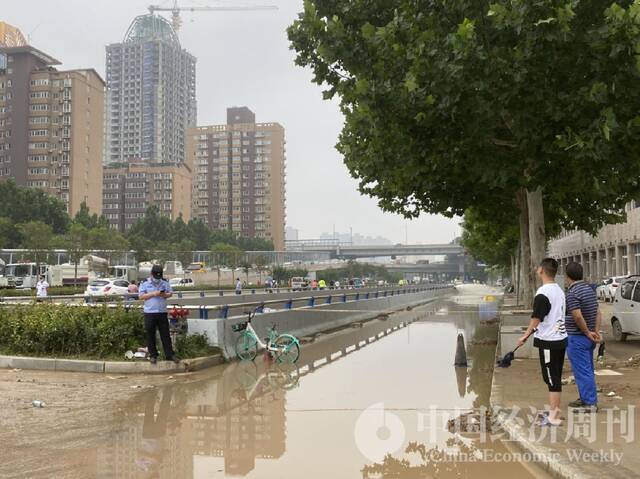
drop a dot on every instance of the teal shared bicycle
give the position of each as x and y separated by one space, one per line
284 348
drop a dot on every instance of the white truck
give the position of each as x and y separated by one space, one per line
128 273
24 275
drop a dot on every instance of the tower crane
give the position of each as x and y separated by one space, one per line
175 10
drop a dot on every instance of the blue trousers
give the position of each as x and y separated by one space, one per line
580 351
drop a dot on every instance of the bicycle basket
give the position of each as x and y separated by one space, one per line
239 327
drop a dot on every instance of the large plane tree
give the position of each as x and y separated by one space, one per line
451 104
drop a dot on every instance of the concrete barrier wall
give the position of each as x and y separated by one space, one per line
512 326
308 320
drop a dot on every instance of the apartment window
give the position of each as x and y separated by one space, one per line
38 184
39 94
40 82
38 146
38 132
39 120
39 107
38 158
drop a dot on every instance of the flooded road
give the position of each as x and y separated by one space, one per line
359 401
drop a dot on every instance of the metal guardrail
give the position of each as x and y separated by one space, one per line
181 294
223 310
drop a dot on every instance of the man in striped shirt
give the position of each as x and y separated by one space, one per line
583 327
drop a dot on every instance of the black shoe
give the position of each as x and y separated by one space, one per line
175 359
587 409
577 403
153 360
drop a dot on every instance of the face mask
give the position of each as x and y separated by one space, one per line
155 280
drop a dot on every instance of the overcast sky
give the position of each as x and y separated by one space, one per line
243 60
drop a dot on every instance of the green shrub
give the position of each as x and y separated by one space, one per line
53 291
194 346
96 332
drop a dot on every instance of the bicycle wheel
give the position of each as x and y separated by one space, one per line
246 346
288 349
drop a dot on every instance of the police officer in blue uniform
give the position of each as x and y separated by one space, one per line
154 292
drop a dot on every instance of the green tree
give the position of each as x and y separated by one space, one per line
183 250
180 230
37 237
450 105
142 247
9 233
223 254
153 226
489 240
261 263
109 240
22 205
76 242
199 233
89 220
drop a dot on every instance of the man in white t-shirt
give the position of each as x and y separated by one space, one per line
550 336
42 288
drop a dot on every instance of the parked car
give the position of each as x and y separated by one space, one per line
612 286
625 319
181 282
106 287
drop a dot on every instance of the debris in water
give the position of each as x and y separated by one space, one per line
611 394
472 421
37 403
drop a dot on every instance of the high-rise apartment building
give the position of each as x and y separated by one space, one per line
129 190
239 176
51 127
10 36
151 94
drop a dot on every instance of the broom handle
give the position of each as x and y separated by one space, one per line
528 336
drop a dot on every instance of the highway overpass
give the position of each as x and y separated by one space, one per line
372 251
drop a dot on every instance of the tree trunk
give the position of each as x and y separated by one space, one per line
537 236
512 270
526 267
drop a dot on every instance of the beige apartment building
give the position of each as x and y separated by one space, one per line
239 176
128 190
613 251
51 127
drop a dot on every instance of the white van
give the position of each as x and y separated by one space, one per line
625 319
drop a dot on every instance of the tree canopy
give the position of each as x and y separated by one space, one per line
447 103
454 104
21 205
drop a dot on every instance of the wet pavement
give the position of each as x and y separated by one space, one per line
369 401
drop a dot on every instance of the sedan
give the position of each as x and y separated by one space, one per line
107 287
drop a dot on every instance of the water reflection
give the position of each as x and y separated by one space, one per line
234 418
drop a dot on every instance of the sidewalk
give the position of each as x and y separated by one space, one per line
586 445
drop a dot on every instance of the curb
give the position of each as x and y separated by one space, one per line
553 460
110 367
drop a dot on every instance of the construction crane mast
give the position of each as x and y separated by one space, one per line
175 10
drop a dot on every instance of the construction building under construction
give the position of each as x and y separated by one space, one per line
151 94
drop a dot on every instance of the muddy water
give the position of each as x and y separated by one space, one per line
359 401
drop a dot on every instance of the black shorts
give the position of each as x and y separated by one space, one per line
552 362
